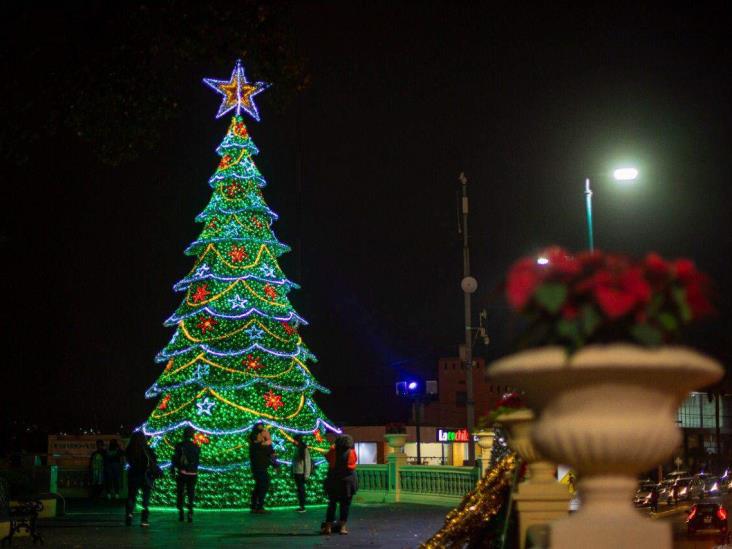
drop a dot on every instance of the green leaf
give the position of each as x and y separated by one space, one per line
655 305
590 319
668 321
551 295
646 335
568 329
679 295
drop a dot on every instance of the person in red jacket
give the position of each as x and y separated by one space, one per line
341 483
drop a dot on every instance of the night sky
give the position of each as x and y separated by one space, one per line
100 189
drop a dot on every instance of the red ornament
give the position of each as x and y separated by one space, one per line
272 400
318 436
240 129
212 223
206 323
256 221
288 328
200 438
270 291
225 162
238 254
201 293
253 363
164 403
232 189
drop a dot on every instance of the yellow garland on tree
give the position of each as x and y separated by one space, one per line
477 507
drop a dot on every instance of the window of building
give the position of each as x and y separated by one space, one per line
461 398
366 453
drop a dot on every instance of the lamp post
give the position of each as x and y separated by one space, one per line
621 174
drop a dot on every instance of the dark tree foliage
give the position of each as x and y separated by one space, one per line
109 73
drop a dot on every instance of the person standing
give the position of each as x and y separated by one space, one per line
302 466
186 458
654 499
96 470
141 475
261 456
341 483
113 469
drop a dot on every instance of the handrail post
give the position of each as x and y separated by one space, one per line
396 461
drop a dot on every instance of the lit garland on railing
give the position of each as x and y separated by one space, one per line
471 521
236 357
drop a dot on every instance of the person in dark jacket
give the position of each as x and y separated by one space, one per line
96 470
261 457
185 471
341 482
142 463
302 467
113 469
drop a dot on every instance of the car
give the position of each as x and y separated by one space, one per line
712 485
687 489
665 491
681 489
642 497
707 517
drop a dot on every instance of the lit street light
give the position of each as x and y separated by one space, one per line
621 174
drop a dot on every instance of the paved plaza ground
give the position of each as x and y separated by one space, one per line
373 526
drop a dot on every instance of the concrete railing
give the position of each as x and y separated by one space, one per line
398 482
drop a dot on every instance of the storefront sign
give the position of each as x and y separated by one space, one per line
454 435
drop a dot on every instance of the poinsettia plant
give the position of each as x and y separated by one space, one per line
509 402
596 297
395 428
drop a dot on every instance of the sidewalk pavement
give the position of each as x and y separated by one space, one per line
398 526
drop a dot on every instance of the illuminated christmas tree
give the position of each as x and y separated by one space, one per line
236 357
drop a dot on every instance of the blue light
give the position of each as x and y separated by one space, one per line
412 385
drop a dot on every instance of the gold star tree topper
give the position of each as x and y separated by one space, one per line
238 92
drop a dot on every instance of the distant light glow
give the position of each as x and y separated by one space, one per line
542 260
412 385
625 174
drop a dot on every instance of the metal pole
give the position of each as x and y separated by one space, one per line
717 431
417 419
588 205
470 403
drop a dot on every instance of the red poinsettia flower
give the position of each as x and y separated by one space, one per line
560 262
618 294
697 292
510 400
656 265
522 281
685 270
602 297
569 311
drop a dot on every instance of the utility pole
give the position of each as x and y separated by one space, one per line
469 285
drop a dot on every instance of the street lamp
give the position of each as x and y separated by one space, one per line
621 174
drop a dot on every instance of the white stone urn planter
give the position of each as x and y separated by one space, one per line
540 498
485 439
396 440
609 412
519 425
